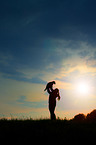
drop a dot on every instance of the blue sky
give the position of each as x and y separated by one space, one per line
44 40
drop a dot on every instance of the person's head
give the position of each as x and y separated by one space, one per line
54 82
57 90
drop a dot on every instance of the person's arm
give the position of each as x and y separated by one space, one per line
58 96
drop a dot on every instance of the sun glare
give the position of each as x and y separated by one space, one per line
83 88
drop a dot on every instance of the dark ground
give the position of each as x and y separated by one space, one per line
60 132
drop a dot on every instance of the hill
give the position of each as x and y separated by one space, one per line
47 132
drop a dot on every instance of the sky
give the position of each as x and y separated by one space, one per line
42 41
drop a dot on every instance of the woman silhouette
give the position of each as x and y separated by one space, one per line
52 102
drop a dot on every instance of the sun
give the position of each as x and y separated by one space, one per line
83 88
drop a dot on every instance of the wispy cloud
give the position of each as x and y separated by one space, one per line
17 77
23 102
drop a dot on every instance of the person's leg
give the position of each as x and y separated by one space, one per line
52 114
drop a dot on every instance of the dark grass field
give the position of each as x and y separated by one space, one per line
59 132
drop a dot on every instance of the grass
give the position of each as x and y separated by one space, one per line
45 131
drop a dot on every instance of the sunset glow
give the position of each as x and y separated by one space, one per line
83 88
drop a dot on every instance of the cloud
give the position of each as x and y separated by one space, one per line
51 19
13 70
20 77
38 81
44 33
55 57
69 78
22 102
